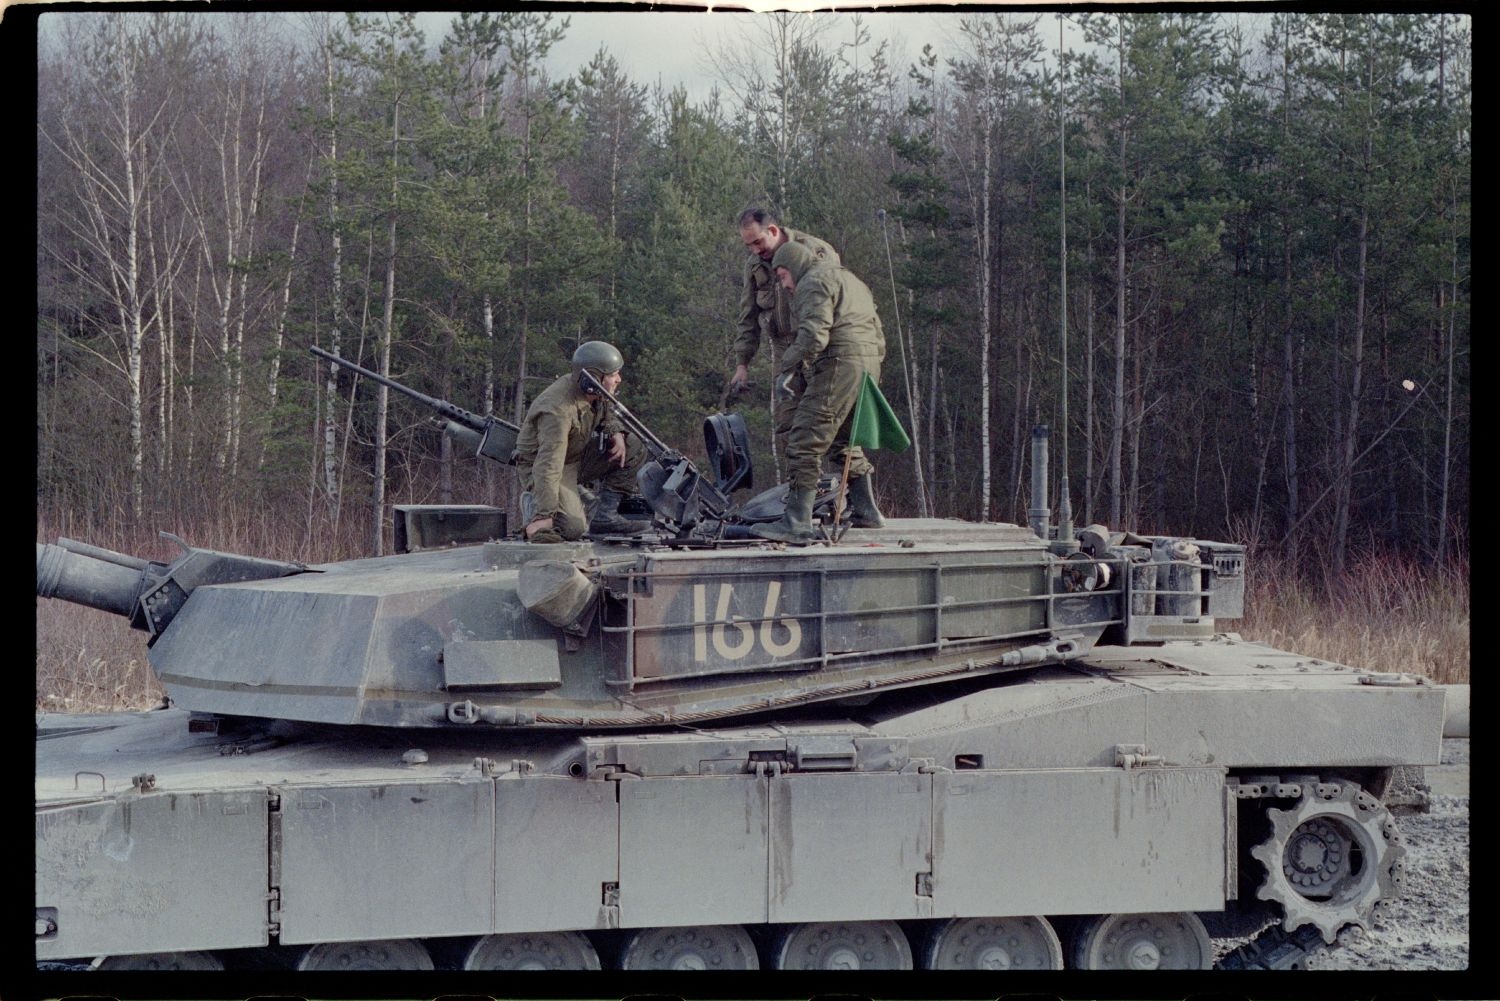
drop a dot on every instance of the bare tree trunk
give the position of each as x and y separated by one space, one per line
1387 419
445 441
908 346
1288 335
783 58
1089 487
985 332
951 452
1351 437
1441 550
1117 415
134 341
336 314
1442 543
1017 422
1117 429
192 366
273 380
932 410
1289 384
521 345
382 397
165 265
359 352
1132 508
163 363
915 399
257 162
614 199
228 150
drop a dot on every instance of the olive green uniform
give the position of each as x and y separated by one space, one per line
838 339
766 309
559 448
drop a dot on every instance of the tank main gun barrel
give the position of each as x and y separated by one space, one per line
148 594
87 575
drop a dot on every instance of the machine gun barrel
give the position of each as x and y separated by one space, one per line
498 439
655 445
452 411
677 490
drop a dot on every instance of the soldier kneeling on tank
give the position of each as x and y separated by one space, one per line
572 437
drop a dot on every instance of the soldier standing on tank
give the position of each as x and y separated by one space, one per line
766 307
570 437
838 340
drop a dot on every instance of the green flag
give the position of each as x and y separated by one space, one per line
875 424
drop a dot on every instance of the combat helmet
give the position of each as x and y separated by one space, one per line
599 357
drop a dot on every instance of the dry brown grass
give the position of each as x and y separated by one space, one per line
92 661
1391 614
89 661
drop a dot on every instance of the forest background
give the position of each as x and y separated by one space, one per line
1265 303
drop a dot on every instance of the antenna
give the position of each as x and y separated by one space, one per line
911 406
1065 540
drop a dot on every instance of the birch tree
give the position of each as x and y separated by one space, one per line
388 52
999 51
107 134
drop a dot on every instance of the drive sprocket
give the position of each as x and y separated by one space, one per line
1331 858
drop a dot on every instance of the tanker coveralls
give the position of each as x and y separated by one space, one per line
766 308
838 340
559 448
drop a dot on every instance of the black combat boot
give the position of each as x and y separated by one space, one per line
607 519
862 510
795 525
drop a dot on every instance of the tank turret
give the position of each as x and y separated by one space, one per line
610 634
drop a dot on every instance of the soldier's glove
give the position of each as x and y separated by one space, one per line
784 386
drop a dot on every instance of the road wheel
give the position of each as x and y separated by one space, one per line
844 945
1168 941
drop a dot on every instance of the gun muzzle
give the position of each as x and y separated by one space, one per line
110 585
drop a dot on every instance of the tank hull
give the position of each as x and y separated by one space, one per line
1116 783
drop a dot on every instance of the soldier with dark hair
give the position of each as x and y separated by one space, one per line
838 339
570 437
765 307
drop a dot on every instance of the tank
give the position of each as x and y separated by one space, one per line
934 745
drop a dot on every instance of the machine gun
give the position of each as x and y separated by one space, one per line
682 498
488 436
685 500
680 495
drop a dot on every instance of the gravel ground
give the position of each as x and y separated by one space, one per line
1428 928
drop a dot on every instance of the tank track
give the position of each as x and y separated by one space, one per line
1276 949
